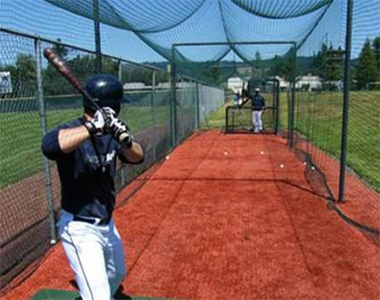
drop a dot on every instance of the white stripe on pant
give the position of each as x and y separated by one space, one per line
257 123
95 254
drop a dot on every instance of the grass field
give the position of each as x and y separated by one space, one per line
319 117
20 136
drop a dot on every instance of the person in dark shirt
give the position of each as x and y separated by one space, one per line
258 104
85 151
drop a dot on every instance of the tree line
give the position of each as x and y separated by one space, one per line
328 65
24 73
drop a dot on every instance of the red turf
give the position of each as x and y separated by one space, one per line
221 219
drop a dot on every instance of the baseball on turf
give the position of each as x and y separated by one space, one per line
281 166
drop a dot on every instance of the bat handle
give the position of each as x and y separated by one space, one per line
126 138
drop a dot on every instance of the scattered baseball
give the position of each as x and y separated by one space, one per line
281 166
313 168
167 157
53 242
305 163
225 153
262 152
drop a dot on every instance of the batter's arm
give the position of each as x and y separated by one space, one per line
134 154
71 138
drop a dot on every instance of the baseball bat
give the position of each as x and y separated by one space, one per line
61 65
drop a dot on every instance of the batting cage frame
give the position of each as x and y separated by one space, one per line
273 110
275 107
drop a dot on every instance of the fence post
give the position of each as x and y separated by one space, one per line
346 100
42 112
277 99
154 114
293 98
173 107
98 51
197 113
120 77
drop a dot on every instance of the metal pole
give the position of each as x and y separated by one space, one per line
293 98
98 60
277 83
273 104
42 111
120 77
120 70
197 113
346 98
173 107
154 114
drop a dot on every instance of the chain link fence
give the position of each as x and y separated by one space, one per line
35 99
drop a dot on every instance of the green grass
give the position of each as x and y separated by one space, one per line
216 119
20 136
70 295
319 118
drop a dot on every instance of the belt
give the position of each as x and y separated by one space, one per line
90 220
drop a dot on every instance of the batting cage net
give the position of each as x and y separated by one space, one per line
30 189
316 63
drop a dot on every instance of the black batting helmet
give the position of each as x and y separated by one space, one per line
106 90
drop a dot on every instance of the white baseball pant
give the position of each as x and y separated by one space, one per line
256 120
95 254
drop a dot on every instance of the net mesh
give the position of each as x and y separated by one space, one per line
27 217
300 44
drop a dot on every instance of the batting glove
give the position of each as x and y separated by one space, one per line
96 125
110 115
121 133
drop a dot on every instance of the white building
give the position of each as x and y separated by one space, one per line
235 84
309 83
284 85
5 83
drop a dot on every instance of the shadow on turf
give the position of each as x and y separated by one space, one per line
70 295
73 295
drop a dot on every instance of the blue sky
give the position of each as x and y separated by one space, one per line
206 24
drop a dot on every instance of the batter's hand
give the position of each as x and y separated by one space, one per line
97 124
120 131
110 115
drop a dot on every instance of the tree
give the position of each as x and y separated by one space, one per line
334 70
24 70
328 65
376 47
257 63
61 50
366 70
276 66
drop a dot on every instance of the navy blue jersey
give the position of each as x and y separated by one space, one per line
87 173
258 102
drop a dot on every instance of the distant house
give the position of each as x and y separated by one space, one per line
164 85
284 85
5 83
308 83
134 86
235 84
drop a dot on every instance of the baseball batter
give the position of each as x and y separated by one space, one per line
85 151
258 104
